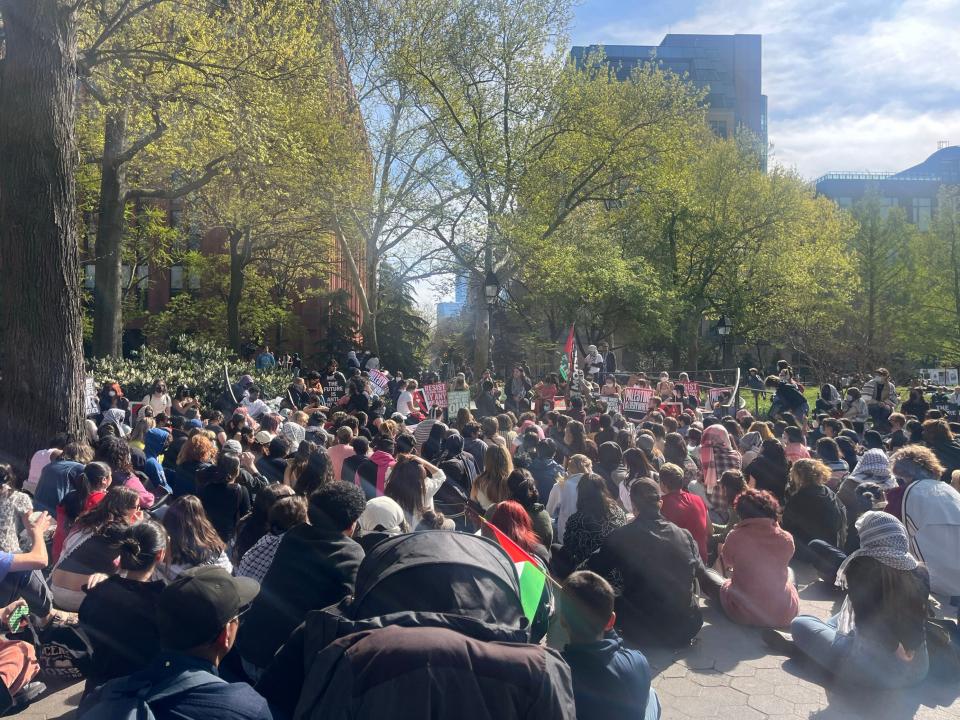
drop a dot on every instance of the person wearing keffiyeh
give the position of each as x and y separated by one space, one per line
878 638
716 455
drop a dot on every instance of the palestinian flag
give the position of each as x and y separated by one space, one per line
532 578
567 362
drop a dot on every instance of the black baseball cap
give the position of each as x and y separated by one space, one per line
195 607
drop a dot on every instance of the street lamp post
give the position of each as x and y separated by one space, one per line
491 290
724 327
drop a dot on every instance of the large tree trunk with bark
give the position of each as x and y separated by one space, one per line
41 356
107 292
481 329
372 290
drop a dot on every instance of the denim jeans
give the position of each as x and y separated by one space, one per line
653 706
855 659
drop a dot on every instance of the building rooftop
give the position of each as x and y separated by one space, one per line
943 166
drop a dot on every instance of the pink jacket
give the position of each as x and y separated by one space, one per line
383 460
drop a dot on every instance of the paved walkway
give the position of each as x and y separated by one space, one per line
729 674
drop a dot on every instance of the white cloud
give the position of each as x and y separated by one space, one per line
851 83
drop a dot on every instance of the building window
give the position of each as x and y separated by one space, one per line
922 213
719 128
182 279
885 204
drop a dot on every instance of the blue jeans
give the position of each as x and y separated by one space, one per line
855 659
653 707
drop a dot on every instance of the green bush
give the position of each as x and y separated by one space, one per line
194 363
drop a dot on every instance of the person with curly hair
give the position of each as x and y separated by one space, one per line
755 558
197 454
813 511
115 452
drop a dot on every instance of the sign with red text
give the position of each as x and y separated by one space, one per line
436 395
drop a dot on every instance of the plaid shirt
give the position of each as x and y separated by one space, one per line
257 560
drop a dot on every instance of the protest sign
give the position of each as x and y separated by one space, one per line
636 400
457 399
671 409
613 403
420 402
560 403
436 395
90 397
715 394
378 382
691 388
333 389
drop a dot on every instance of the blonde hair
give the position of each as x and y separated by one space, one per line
579 464
141 428
761 427
807 472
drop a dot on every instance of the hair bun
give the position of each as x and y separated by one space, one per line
130 545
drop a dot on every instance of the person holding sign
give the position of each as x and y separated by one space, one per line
546 391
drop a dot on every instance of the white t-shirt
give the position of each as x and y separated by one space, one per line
405 403
256 408
159 403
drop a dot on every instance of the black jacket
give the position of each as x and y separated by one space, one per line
334 668
814 513
314 567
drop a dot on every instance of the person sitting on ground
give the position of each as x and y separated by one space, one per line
22 582
562 502
931 515
659 565
938 437
90 487
610 467
256 523
732 483
224 500
771 470
544 468
457 464
609 680
412 484
287 512
793 445
812 511
315 566
523 490
717 455
490 487
682 508
898 436
854 407
382 518
56 478
351 464
755 558
194 542
829 454
116 453
13 505
597 515
198 616
341 450
915 404
272 462
93 546
877 638
119 614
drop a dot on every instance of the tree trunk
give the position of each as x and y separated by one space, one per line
107 293
41 356
481 330
372 289
235 292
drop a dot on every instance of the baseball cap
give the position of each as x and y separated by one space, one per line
195 607
233 446
263 437
194 423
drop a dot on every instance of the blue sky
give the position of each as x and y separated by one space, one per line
852 85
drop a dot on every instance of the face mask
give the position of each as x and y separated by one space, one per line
878 378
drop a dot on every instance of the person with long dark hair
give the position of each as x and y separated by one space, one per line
90 487
771 470
224 500
93 546
193 540
115 452
119 614
256 523
597 515
412 484
433 446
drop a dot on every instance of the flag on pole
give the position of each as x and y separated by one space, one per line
532 578
567 362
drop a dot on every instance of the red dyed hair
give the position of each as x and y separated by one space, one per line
513 521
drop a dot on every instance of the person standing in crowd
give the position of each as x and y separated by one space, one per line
265 359
157 399
609 680
881 396
518 389
609 361
755 556
787 398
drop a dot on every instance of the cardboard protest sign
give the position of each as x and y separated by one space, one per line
333 389
420 402
436 395
691 388
457 399
560 403
378 382
636 400
90 397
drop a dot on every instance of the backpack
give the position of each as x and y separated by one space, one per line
129 698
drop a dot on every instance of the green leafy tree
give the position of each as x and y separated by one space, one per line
401 328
